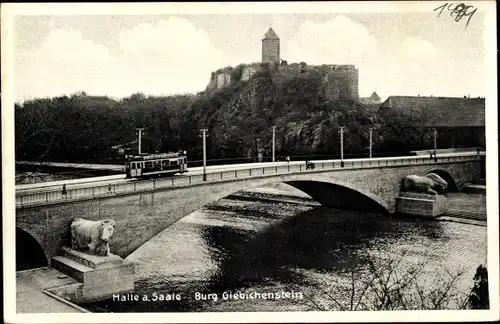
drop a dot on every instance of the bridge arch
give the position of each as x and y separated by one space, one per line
340 194
29 252
452 185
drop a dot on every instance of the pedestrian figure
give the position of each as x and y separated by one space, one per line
288 159
478 150
430 155
109 188
64 191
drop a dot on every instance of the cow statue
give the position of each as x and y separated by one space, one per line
92 236
430 184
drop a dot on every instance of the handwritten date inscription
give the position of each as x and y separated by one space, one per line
458 11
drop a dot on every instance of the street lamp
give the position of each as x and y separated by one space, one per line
371 141
204 135
435 143
274 141
342 146
139 133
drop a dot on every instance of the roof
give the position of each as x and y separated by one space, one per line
271 34
375 95
440 111
147 156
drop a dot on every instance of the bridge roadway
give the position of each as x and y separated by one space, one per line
51 192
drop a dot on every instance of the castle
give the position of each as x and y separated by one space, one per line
339 81
270 47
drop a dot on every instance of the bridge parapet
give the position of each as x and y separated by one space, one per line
32 198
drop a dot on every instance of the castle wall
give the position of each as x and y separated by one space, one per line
341 82
223 80
247 72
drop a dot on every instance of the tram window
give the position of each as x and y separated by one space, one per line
132 165
174 162
165 163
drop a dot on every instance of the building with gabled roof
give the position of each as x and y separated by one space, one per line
373 99
440 111
460 121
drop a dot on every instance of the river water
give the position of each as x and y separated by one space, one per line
309 255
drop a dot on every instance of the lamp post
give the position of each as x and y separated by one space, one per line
274 141
435 143
342 146
139 133
204 135
371 141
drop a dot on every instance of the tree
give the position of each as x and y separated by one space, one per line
479 295
383 283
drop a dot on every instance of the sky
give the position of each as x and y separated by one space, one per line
397 53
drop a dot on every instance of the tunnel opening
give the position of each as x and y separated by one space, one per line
29 253
452 185
339 196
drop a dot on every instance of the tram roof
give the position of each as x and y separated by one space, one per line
145 157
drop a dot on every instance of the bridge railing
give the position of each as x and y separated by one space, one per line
26 198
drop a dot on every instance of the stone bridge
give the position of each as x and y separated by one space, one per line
142 213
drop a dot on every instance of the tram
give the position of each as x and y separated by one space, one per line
159 164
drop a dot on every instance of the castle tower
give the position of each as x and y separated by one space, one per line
270 47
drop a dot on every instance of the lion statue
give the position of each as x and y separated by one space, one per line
92 236
430 183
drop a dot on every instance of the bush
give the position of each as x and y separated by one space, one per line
383 284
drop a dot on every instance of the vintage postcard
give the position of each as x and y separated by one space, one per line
250 162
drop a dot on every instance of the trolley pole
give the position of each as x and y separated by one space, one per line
371 141
274 142
435 143
204 135
139 141
342 146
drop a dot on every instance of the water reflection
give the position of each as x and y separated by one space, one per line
321 239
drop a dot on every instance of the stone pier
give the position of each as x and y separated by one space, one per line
420 204
99 277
